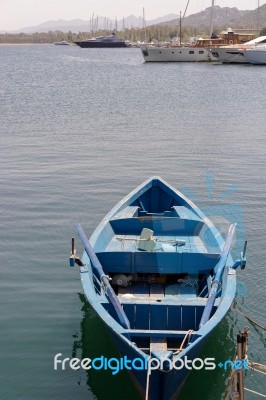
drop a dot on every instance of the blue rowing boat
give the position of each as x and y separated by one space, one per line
161 277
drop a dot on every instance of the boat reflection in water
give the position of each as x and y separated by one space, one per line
93 341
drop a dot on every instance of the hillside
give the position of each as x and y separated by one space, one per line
224 17
79 25
253 18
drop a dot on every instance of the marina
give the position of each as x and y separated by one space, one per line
199 50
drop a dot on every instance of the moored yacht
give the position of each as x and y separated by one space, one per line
62 43
256 55
199 51
102 41
234 53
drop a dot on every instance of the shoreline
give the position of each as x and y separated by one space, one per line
24 44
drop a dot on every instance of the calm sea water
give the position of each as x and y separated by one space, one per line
80 129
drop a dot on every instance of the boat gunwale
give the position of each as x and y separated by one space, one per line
141 189
97 300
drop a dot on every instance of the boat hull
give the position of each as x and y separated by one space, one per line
229 56
159 322
100 45
254 56
63 43
163 385
176 54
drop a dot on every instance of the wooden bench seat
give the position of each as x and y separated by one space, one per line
155 262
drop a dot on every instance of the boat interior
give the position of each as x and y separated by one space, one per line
161 257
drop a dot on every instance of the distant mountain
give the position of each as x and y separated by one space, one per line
221 16
166 18
255 18
224 17
79 25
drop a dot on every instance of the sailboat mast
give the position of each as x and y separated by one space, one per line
258 13
185 10
180 28
211 26
144 26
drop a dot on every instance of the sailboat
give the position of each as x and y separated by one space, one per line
178 53
199 51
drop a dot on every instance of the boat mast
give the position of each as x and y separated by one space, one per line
144 26
258 13
211 27
181 20
180 28
185 10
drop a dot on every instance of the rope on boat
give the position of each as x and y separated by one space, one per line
252 320
188 334
262 366
177 242
235 387
253 391
147 382
258 365
257 370
189 282
255 367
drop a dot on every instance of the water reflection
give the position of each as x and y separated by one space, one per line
93 341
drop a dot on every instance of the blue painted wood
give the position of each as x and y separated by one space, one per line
188 318
218 276
141 289
158 316
174 317
152 262
157 206
186 213
109 290
130 310
160 225
142 316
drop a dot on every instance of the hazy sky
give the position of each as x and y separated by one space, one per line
15 14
